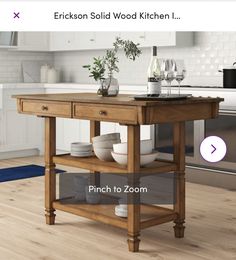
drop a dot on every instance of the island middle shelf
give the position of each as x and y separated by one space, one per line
94 164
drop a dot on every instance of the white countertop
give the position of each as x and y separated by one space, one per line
21 85
89 87
228 94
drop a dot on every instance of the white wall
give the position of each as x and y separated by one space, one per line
210 50
10 63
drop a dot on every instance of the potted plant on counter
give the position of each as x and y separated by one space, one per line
109 63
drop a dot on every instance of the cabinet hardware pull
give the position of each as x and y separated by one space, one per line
45 108
102 113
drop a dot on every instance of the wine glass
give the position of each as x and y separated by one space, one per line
169 70
180 72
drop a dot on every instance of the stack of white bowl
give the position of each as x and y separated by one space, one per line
121 210
80 149
147 155
103 145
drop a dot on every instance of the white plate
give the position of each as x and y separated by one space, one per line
81 146
81 154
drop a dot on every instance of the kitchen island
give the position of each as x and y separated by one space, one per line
124 110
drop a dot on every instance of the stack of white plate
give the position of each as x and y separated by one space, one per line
80 149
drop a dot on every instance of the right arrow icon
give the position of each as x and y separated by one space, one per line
214 149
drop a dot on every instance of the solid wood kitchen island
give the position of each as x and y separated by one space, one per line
124 110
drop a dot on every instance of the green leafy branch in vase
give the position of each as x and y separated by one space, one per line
109 62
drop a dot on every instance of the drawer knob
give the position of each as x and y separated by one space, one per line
102 113
44 108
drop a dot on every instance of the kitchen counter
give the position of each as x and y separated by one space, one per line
123 87
124 110
21 85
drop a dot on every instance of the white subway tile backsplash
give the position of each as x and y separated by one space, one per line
10 64
211 49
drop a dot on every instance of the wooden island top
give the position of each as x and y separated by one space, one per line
126 111
121 99
122 109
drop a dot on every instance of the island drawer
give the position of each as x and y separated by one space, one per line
45 108
110 113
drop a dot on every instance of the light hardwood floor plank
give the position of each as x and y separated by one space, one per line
210 227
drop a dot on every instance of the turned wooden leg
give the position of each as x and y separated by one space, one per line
180 205
50 177
94 131
179 158
133 168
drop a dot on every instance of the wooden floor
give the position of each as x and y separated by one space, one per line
210 228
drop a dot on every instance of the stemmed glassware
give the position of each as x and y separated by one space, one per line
169 70
180 72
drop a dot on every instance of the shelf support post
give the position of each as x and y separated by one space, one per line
179 159
133 199
50 176
94 131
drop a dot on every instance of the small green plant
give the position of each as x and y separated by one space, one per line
97 70
110 61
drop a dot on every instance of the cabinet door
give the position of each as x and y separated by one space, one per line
33 41
147 39
85 40
69 41
136 37
179 39
160 39
62 41
105 40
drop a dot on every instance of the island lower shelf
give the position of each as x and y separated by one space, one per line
94 164
151 215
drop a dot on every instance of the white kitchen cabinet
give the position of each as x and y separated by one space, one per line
160 39
70 41
62 41
136 37
85 40
65 41
20 135
33 41
105 40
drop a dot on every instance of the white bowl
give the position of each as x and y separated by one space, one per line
104 154
106 144
81 147
144 159
145 147
106 137
120 212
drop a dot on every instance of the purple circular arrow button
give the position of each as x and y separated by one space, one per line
213 149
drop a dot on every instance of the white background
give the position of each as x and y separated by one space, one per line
196 16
